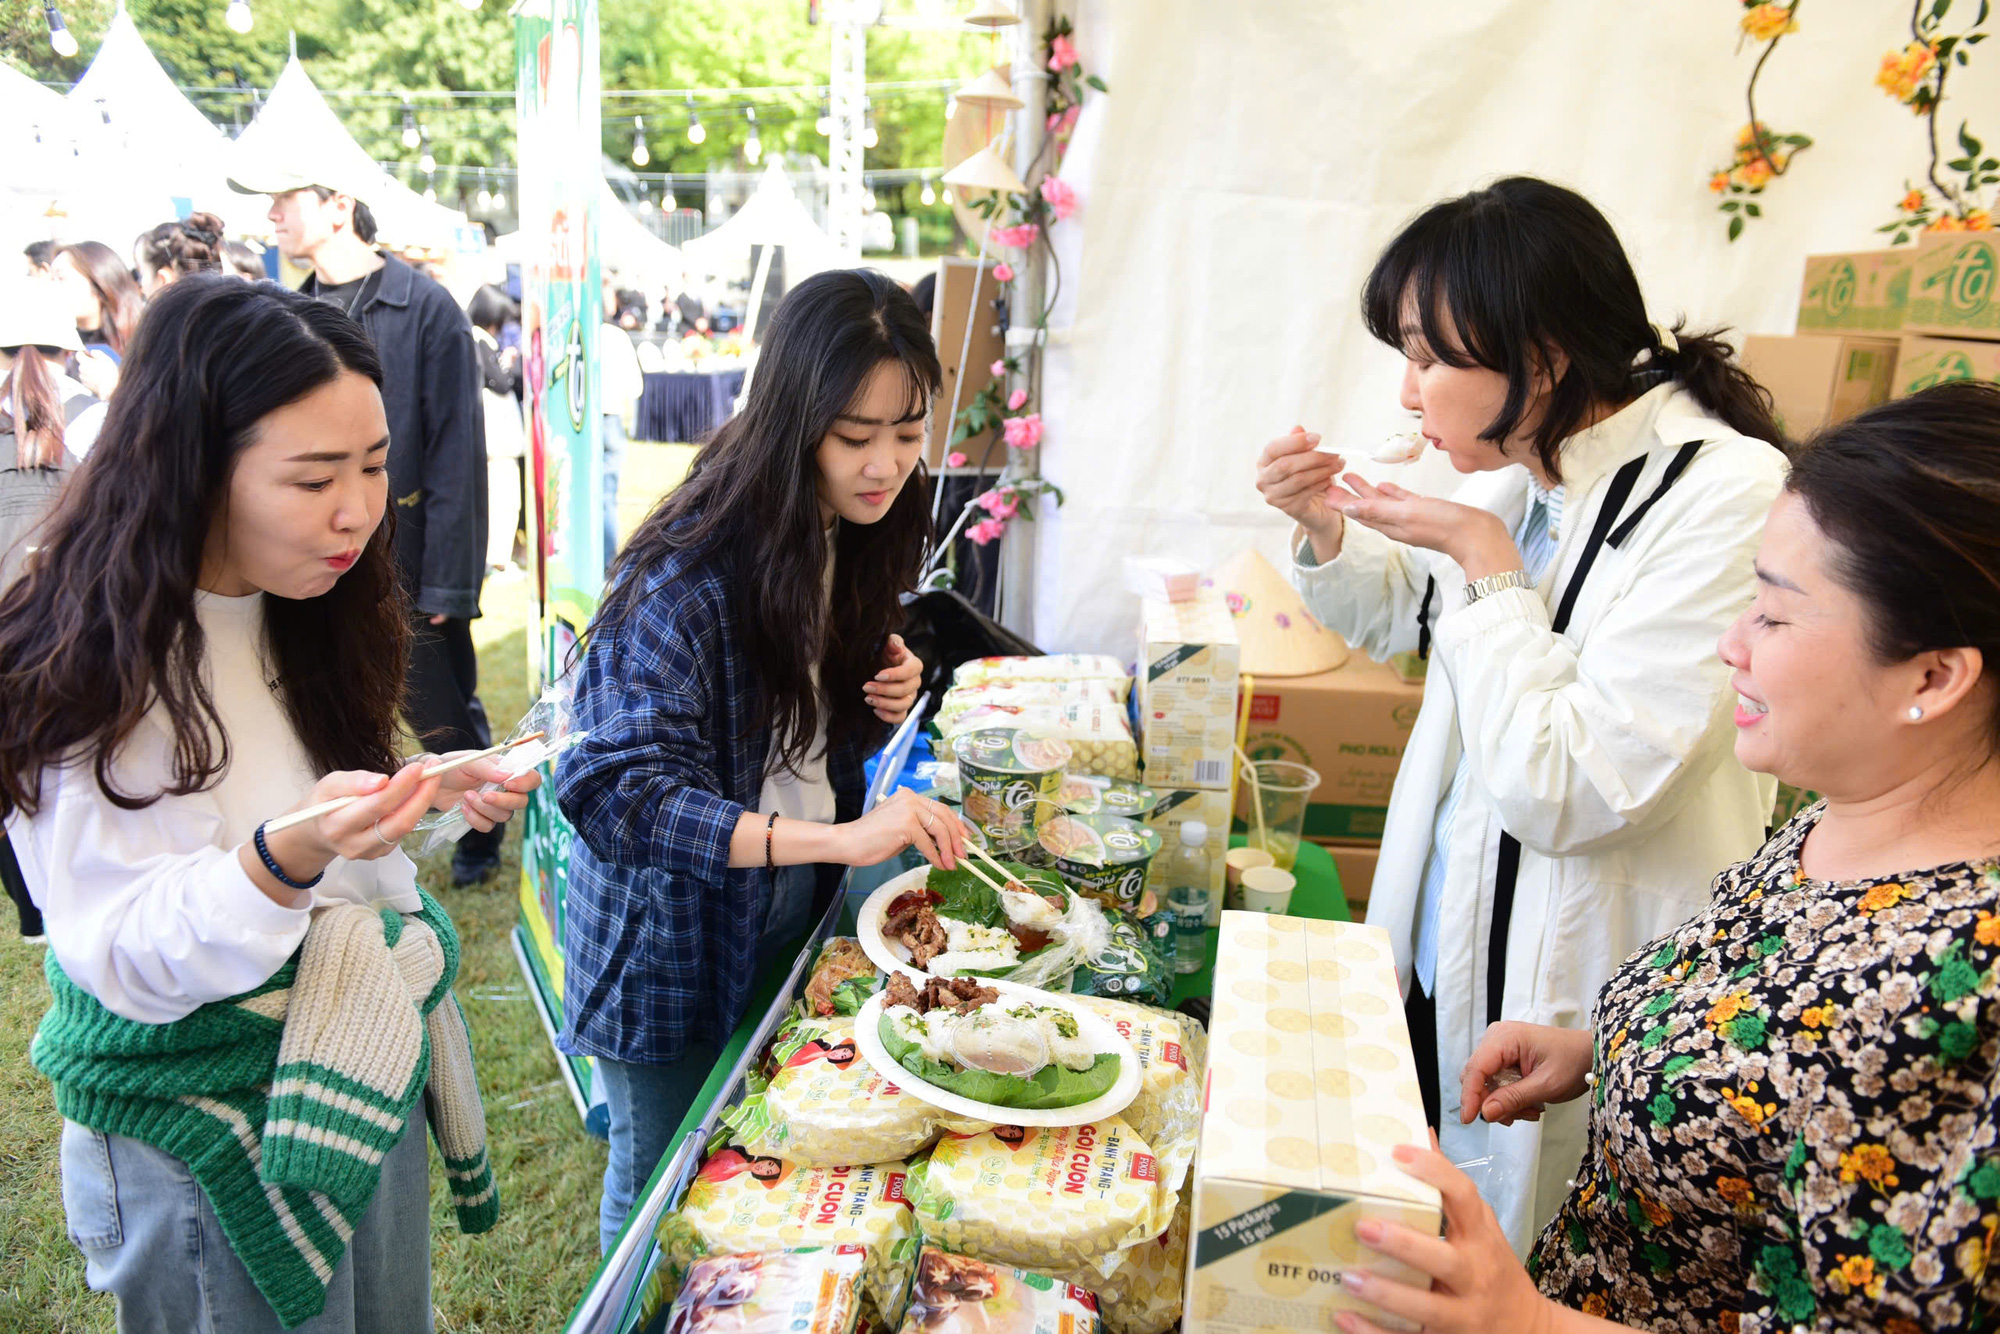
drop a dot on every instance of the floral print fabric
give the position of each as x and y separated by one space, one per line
1795 1118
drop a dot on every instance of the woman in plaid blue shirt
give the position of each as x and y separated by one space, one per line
739 669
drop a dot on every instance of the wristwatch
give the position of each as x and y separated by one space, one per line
1493 583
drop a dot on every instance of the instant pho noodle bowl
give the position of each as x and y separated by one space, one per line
1009 779
1091 794
1102 857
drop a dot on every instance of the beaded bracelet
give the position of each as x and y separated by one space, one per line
770 828
277 871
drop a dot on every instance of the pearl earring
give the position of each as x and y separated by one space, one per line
1916 714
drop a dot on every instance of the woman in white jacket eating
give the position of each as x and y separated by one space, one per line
1569 788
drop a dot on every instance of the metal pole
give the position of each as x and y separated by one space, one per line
848 95
1024 340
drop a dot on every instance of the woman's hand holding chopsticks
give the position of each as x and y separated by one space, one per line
381 813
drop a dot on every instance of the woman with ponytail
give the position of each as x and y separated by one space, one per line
1569 788
175 249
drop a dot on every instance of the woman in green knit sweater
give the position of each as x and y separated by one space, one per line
211 634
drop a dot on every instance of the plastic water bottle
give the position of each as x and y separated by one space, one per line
1188 897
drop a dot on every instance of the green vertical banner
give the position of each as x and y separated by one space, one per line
557 86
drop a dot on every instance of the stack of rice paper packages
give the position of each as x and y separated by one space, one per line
1079 699
944 1224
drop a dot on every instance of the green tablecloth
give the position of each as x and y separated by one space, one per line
1318 894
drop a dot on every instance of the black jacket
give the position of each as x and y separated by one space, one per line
437 437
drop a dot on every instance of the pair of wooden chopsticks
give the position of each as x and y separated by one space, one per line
325 807
992 861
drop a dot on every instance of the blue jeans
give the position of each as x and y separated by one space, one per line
611 456
150 1238
646 1103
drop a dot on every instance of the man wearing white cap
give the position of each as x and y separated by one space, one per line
437 440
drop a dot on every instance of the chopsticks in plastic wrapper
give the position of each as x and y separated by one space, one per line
551 717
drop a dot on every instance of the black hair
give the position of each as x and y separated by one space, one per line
491 307
752 498
925 294
364 217
1517 275
102 627
187 245
1907 493
40 254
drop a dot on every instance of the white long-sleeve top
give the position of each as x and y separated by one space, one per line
150 911
1606 751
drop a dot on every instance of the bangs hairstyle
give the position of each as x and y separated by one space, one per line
102 626
1523 275
752 499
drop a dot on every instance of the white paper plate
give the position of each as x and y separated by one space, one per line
1099 1032
891 956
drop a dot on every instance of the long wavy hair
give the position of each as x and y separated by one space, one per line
102 626
119 301
752 498
1524 269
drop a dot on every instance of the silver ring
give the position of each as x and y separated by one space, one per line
378 833
930 824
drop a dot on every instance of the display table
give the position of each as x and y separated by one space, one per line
612 1303
685 407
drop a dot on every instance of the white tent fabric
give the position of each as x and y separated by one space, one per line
1250 161
296 126
626 245
772 216
146 140
43 136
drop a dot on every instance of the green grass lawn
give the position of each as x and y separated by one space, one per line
527 1273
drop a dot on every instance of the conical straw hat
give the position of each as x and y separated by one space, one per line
1279 636
991 91
985 170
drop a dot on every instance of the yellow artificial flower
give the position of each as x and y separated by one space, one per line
1913 201
1756 175
1719 182
1764 22
1944 222
1978 220
1904 72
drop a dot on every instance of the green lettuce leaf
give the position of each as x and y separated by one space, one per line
970 899
1051 1087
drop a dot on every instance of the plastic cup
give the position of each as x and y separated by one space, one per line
1268 889
1234 864
1279 792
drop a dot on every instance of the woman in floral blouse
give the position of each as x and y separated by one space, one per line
1795 1098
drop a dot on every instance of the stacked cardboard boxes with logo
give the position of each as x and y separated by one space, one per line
1879 324
1189 661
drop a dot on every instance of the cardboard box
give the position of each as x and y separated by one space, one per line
1356 864
1310 1087
1819 379
1175 809
1188 666
1951 286
1866 291
1349 724
1924 362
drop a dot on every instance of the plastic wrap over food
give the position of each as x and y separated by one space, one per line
1141 1291
816 1103
740 1202
1043 1197
958 1294
1167 1112
1052 667
815 1290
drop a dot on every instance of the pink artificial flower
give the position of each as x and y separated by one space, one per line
1062 54
986 530
999 368
1024 432
988 501
1060 123
1003 273
1017 400
955 459
1016 238
1060 197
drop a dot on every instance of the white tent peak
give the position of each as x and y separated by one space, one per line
296 126
771 216
127 83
